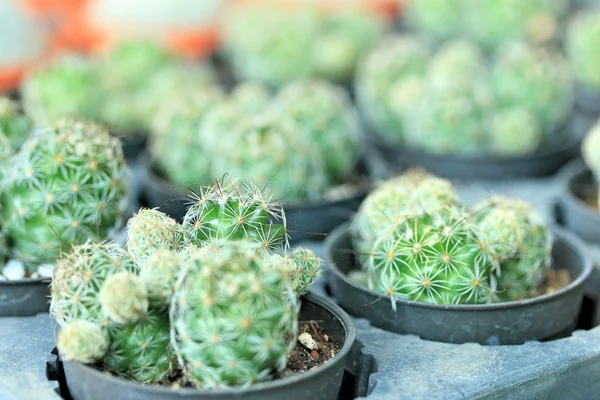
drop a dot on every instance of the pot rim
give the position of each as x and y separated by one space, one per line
334 309
145 162
561 234
571 171
27 281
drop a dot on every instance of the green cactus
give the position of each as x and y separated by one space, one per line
14 125
66 87
225 343
591 153
229 210
159 274
82 341
521 241
437 19
536 79
308 269
380 90
437 258
583 41
65 185
124 298
142 350
78 278
514 131
456 62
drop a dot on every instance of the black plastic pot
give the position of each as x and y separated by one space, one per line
133 146
24 297
542 163
587 99
572 211
304 221
323 383
512 322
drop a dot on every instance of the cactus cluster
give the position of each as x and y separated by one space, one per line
15 127
305 132
214 299
294 43
65 185
453 102
583 41
121 88
489 23
590 150
416 241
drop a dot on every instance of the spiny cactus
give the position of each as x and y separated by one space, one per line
297 43
308 269
437 19
514 131
381 93
14 125
521 242
233 343
159 274
141 350
65 87
230 210
149 231
83 341
78 278
124 298
65 185
583 41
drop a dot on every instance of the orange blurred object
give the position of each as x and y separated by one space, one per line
385 8
50 6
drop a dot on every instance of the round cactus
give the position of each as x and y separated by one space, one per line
590 150
379 77
308 269
65 185
151 230
142 350
235 320
82 341
456 62
78 277
437 19
124 298
14 125
66 87
583 41
159 274
514 131
229 210
521 242
436 258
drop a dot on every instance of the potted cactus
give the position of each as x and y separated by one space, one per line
121 88
64 186
485 275
206 308
306 132
450 109
582 43
489 23
577 204
297 41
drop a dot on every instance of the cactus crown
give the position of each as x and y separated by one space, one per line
65 185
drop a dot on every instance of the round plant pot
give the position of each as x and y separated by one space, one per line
24 297
542 163
572 211
311 221
587 99
322 383
512 322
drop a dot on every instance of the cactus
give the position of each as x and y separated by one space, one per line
437 19
82 341
456 62
14 125
65 87
514 131
124 298
65 185
141 350
583 41
229 210
591 153
308 269
380 82
537 80
159 274
437 258
224 342
149 231
521 241
78 277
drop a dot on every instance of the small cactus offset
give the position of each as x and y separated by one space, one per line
308 269
225 342
66 185
159 274
14 125
124 298
583 41
83 341
521 242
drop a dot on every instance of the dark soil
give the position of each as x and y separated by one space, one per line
303 359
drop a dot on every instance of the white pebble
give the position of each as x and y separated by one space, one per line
14 270
307 340
46 270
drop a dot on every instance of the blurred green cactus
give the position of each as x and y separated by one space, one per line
583 41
